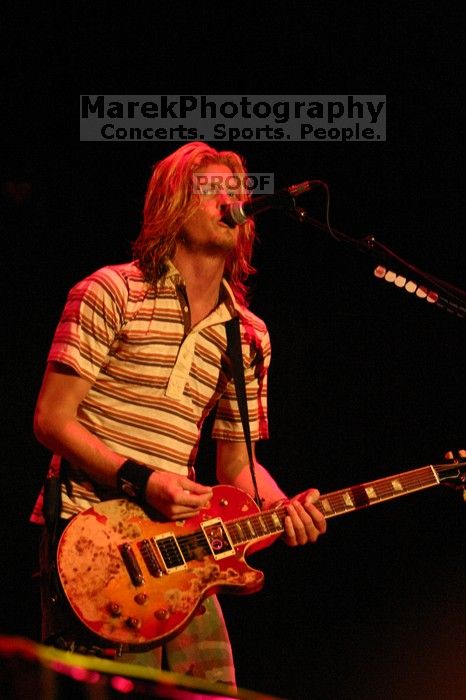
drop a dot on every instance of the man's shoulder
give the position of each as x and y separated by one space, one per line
254 328
249 317
118 277
127 272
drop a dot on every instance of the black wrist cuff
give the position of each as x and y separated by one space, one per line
132 479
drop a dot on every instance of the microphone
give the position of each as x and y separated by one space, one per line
238 213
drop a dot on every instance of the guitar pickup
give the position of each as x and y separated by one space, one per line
147 550
218 538
170 552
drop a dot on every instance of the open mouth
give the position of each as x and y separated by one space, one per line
222 222
225 219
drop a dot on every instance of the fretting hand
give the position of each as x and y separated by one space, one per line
304 522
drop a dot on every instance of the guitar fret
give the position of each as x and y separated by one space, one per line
252 524
348 501
264 526
277 522
235 533
247 530
265 523
272 521
257 526
326 506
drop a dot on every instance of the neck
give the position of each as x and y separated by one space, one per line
202 274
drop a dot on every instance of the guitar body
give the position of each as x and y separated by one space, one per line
134 581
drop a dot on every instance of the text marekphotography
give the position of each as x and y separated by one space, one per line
233 118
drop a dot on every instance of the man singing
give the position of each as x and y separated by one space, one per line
137 362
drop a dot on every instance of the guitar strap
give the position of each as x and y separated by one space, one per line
52 506
235 354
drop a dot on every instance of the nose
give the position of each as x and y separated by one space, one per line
224 199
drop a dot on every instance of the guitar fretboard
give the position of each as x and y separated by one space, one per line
363 495
335 503
254 527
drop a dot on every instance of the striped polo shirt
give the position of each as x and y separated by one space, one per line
154 379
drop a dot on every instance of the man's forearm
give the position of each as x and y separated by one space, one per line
70 439
268 488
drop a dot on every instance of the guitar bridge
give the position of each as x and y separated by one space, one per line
218 538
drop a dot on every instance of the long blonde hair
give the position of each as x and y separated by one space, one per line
170 201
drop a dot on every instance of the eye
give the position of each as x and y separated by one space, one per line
209 189
214 189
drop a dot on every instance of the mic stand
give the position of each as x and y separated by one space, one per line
443 294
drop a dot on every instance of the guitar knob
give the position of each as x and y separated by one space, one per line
162 614
114 609
141 598
133 622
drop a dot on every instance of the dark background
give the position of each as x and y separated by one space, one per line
366 380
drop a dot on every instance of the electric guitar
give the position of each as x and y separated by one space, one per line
135 581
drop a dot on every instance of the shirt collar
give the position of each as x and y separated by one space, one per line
227 295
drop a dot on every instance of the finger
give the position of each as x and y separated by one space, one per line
318 518
290 536
303 526
311 496
307 500
192 500
450 455
182 513
194 487
313 520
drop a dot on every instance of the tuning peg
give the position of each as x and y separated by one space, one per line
450 457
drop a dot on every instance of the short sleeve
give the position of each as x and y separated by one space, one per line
91 319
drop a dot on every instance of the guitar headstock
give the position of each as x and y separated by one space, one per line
453 471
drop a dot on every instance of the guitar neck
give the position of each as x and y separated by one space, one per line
373 492
270 522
